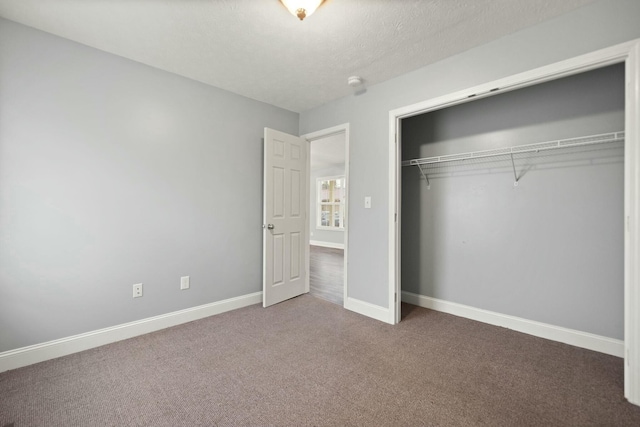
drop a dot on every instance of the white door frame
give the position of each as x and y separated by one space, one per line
627 53
313 136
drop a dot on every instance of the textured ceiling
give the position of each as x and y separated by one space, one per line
256 48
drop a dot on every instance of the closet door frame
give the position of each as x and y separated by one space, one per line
627 53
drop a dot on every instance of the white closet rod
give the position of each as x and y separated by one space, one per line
508 153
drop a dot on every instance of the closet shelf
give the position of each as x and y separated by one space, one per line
511 154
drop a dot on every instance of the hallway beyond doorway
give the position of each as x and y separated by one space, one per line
326 273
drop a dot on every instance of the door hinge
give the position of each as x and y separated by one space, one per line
395 217
395 297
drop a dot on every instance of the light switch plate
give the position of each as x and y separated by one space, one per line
367 202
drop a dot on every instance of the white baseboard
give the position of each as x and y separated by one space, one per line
326 244
367 309
586 340
24 356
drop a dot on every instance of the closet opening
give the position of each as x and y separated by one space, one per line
513 203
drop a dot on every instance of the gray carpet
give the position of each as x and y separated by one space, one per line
310 362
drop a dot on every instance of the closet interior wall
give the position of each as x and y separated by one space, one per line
550 249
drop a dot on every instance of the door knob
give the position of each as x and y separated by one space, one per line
270 226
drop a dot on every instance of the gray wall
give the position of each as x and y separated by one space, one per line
592 27
320 235
551 249
114 173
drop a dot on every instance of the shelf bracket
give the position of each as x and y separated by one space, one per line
515 175
424 175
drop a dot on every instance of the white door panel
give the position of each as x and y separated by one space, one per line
285 195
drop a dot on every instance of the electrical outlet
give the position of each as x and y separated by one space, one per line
137 290
184 282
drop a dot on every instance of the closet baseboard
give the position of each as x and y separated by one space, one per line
24 356
581 339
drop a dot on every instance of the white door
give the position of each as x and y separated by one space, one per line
285 213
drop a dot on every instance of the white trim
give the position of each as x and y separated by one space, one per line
581 339
346 210
367 309
395 217
577 65
324 228
628 53
326 244
24 356
632 232
324 133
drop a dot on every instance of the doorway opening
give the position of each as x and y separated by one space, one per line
328 213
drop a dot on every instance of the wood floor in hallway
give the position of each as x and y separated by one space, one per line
326 274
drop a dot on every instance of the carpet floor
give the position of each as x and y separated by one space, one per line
310 362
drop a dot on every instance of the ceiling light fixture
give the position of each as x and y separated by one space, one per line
302 8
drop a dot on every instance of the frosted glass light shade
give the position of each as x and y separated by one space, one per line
301 8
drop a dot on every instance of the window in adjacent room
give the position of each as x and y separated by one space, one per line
330 202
